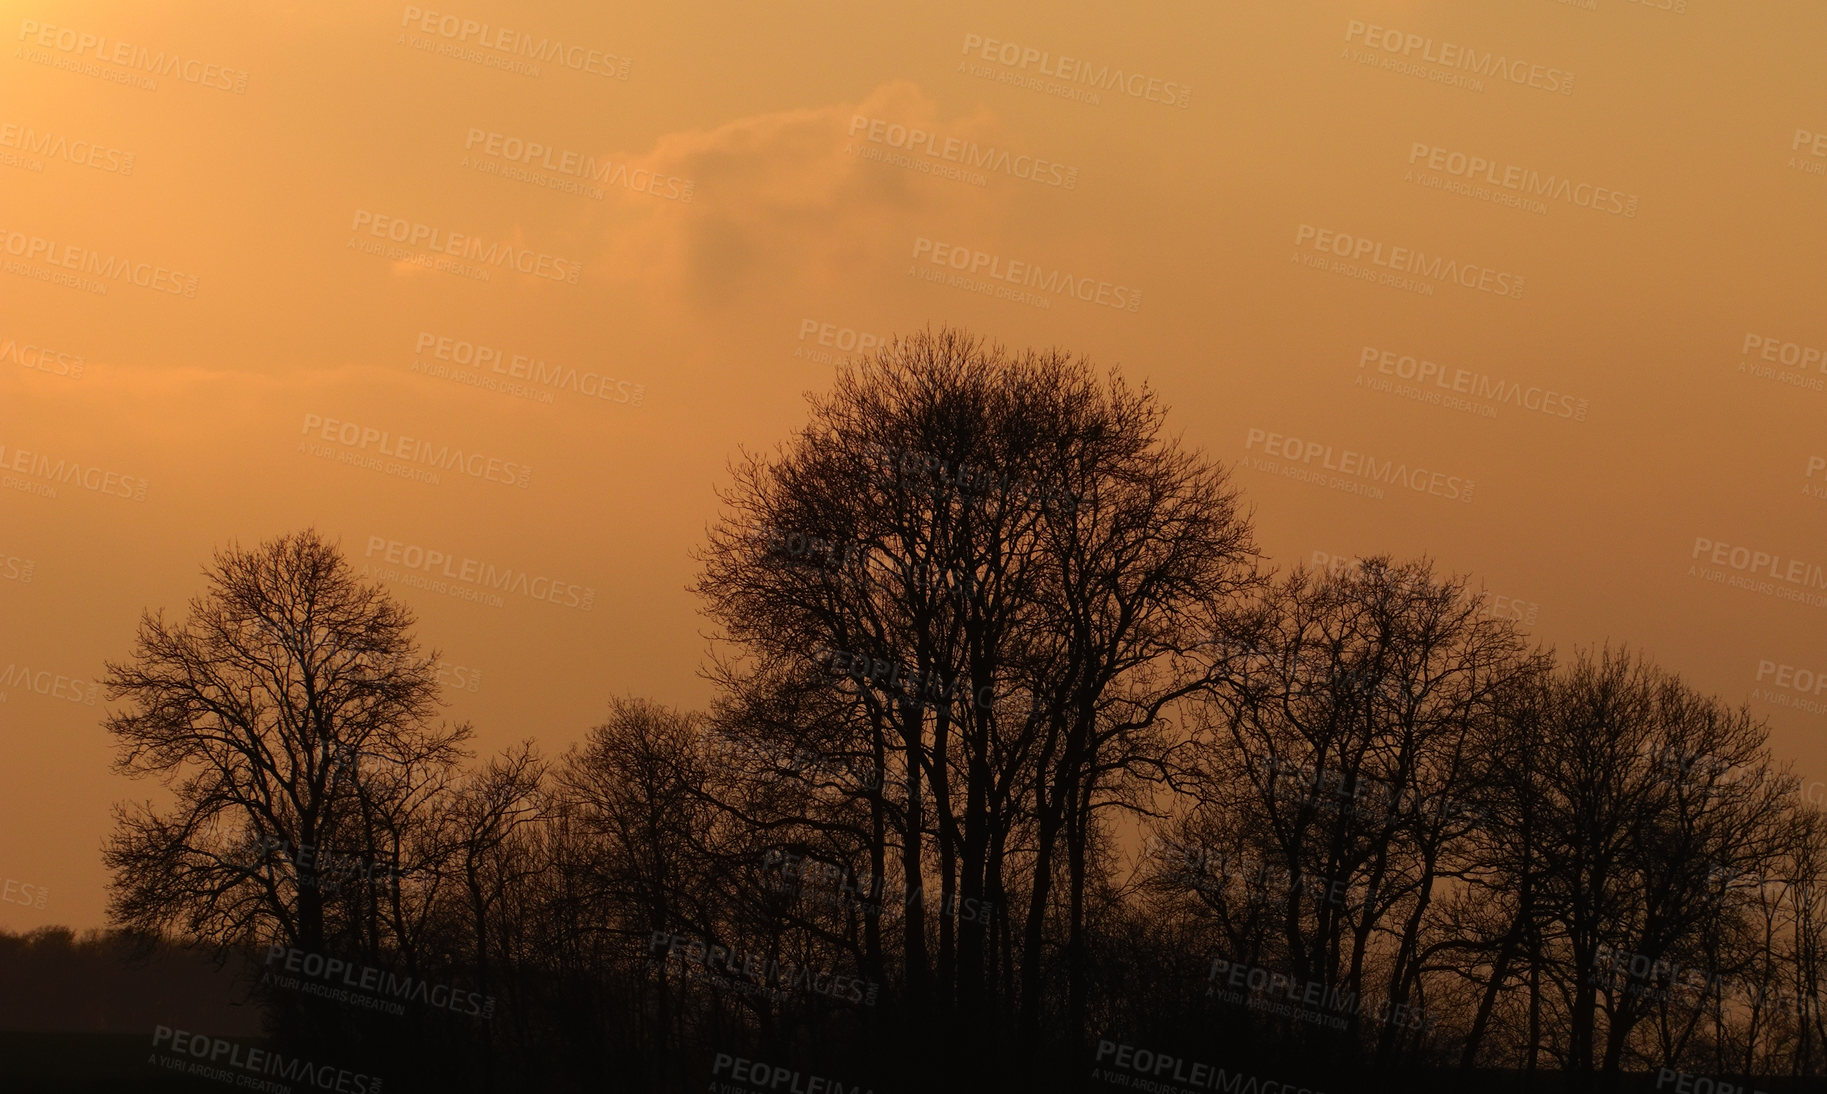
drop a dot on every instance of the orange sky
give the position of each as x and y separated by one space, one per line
1587 211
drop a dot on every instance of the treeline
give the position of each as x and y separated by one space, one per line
110 982
1025 771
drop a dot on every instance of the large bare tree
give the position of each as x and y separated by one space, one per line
1005 572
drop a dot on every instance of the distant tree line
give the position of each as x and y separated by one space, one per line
1024 769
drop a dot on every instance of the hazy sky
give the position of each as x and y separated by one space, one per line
1546 275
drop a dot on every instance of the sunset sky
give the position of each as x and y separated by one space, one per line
596 250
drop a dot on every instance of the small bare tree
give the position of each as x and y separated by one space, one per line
287 715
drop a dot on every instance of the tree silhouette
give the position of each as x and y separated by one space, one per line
289 715
1033 574
982 623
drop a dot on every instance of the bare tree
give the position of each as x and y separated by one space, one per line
285 715
1343 775
1017 574
1636 825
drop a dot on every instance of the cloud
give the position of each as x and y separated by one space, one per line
784 200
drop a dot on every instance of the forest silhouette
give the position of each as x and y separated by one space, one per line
1025 771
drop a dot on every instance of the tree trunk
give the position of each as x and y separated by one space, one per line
1500 970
